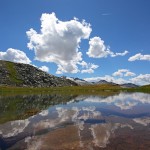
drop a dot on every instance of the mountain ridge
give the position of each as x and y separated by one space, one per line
102 82
26 75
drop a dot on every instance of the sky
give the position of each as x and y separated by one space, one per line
89 39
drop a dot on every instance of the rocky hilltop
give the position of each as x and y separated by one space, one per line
18 74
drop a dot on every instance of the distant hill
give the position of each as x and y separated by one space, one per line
129 85
18 74
105 82
146 86
84 82
101 82
79 81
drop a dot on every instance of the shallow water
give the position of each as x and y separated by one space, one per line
56 122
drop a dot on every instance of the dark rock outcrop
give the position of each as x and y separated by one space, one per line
18 74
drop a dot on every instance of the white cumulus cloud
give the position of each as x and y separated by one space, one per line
129 74
15 55
142 79
139 56
44 68
59 42
123 72
98 49
89 67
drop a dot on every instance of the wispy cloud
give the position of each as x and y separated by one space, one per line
139 56
106 14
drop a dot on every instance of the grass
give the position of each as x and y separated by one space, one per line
12 73
63 90
144 89
78 90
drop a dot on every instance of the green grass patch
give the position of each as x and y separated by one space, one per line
77 90
143 89
13 73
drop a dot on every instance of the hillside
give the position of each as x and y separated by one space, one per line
18 74
129 85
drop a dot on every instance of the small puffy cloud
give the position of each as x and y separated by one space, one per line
123 72
142 79
59 42
139 56
15 55
44 68
98 49
89 68
120 72
129 74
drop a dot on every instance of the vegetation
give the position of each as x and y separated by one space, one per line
144 89
12 72
23 106
104 89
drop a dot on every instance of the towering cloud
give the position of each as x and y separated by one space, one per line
58 41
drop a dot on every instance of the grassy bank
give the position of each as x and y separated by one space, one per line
95 89
86 90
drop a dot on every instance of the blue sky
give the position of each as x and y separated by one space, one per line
112 42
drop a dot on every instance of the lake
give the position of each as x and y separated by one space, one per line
75 122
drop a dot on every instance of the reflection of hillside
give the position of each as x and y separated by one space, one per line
21 107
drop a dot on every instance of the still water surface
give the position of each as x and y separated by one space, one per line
56 122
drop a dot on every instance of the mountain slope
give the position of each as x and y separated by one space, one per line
18 74
82 82
101 82
129 85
